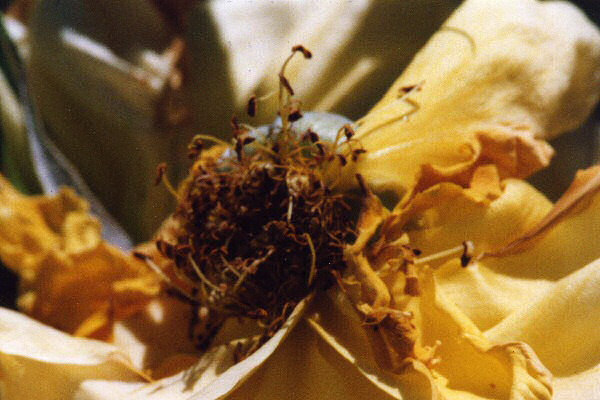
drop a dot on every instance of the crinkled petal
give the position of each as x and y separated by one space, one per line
543 292
409 322
445 215
483 92
464 365
70 278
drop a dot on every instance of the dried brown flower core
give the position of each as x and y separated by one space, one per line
259 233
259 228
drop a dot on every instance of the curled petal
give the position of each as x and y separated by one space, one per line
584 188
445 215
468 362
483 93
70 278
544 291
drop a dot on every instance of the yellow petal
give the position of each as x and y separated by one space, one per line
465 364
491 288
468 364
216 374
561 324
544 292
445 215
423 331
308 368
70 278
484 93
39 362
583 188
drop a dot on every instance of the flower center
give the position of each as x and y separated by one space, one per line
258 226
259 232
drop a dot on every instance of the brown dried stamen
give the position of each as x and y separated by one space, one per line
258 231
257 239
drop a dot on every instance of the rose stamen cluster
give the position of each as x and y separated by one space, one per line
258 233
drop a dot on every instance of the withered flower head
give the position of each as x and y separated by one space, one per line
259 227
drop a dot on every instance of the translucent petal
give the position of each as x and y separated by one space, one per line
36 359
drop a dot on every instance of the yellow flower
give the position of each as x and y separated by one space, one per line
510 312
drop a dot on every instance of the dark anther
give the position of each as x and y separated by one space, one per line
342 159
195 148
348 131
295 115
160 172
321 149
362 184
356 153
406 89
311 135
235 124
251 106
140 255
467 255
305 52
166 249
247 140
238 149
